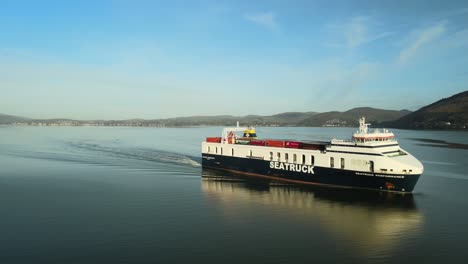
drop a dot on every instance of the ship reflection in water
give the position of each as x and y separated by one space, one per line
370 223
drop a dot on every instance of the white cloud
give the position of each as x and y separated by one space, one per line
357 32
265 19
421 38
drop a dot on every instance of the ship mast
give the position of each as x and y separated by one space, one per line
227 130
363 127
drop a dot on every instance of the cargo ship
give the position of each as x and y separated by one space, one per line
371 159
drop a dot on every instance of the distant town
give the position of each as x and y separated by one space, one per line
149 123
89 123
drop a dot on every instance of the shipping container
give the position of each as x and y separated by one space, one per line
257 142
213 139
312 146
293 144
275 143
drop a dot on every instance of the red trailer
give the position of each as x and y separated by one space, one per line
257 142
275 143
213 139
293 144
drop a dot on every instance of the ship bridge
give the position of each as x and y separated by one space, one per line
380 142
364 135
378 149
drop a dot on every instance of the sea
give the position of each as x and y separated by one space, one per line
140 195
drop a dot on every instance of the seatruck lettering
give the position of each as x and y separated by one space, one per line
292 167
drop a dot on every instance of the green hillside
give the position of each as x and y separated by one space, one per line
447 113
351 117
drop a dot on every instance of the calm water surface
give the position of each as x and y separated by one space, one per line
139 195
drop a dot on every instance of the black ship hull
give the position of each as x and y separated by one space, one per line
303 174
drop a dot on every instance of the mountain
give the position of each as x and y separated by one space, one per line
291 118
335 118
351 117
9 119
283 119
447 113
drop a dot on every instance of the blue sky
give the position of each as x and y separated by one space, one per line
158 59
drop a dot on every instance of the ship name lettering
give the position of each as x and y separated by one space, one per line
292 167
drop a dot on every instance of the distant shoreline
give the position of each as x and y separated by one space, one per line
203 126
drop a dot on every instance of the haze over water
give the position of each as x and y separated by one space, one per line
139 195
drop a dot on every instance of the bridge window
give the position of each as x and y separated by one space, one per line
312 160
208 149
278 156
294 158
303 159
216 150
286 157
271 155
332 162
342 163
232 152
250 153
221 151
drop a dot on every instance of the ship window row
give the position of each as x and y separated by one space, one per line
302 159
332 162
208 150
360 140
